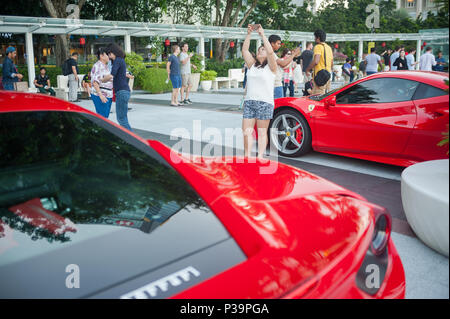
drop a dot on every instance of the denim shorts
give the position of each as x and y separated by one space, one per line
176 81
258 110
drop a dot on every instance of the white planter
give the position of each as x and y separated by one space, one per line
425 198
195 81
206 85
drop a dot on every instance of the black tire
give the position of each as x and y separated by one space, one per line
293 118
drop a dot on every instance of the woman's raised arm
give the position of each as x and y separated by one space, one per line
248 58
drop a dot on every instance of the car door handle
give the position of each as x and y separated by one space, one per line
404 123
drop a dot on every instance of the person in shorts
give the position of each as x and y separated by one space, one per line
259 100
174 74
322 59
185 68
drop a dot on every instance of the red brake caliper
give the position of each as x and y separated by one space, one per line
299 134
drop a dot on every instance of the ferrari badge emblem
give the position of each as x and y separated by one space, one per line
311 107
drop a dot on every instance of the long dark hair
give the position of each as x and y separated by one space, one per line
259 64
116 50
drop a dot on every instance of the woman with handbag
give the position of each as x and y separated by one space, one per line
101 92
401 62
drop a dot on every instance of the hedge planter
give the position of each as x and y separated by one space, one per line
206 85
425 200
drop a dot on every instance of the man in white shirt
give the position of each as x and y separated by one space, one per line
394 57
185 68
427 61
275 42
373 60
410 60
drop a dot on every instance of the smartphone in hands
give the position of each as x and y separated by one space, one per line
255 27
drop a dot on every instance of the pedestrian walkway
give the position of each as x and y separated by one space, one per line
222 100
152 112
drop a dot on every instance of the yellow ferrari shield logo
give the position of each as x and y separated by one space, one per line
311 107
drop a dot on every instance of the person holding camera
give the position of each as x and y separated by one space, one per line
259 100
275 42
322 64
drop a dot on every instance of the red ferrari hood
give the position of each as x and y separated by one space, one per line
289 223
250 179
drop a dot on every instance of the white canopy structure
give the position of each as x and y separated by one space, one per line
35 25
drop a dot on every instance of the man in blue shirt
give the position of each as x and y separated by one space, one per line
440 62
9 71
174 74
120 83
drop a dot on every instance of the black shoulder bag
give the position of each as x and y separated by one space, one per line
323 76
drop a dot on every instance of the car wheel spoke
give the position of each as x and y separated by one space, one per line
285 123
297 127
294 141
285 143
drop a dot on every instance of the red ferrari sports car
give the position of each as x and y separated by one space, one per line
87 204
390 117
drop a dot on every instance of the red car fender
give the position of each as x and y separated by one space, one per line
286 248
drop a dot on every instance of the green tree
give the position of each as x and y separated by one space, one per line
60 9
126 10
182 13
271 15
443 4
231 13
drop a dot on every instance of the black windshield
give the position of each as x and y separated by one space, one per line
76 191
320 97
59 169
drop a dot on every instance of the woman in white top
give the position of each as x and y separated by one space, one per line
258 102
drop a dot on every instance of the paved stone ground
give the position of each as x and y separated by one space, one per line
427 272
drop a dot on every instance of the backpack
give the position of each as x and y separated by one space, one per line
362 66
323 76
66 67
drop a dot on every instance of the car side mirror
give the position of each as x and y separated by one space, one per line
331 101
